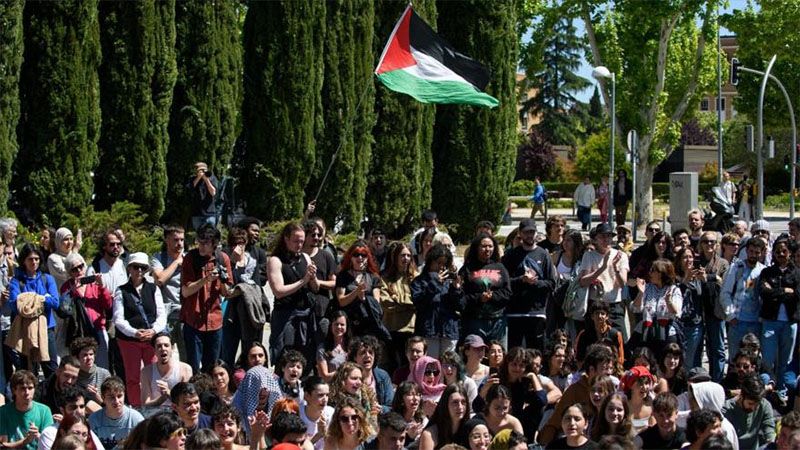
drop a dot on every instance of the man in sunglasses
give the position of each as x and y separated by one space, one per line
653 227
713 268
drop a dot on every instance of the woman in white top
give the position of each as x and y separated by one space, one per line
454 372
660 301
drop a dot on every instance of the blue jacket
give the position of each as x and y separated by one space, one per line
538 194
437 305
383 388
42 284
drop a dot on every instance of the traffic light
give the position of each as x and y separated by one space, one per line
735 64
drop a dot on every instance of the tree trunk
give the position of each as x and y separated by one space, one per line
644 191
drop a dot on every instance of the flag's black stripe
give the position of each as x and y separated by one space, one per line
423 38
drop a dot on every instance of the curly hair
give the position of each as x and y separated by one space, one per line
365 396
335 433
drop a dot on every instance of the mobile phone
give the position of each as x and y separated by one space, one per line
89 279
493 372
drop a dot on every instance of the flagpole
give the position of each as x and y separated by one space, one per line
341 141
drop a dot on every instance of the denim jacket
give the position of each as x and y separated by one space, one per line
438 306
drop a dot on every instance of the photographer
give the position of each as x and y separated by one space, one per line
205 278
203 186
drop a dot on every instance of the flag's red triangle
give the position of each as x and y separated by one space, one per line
397 53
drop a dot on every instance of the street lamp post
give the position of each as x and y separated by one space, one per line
597 73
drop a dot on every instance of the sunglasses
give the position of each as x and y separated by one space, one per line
77 268
348 419
359 255
138 267
709 242
114 244
653 230
434 373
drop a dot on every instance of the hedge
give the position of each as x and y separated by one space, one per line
525 187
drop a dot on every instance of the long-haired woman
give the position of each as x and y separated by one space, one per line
349 428
408 403
487 289
689 279
438 300
395 299
567 262
333 351
614 418
358 288
451 413
661 303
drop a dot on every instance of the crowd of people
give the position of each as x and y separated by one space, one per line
555 339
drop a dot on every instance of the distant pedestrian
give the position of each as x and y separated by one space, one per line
602 198
623 193
539 197
584 199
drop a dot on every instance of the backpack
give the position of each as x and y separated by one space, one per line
544 193
576 299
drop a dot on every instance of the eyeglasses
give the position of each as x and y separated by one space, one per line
448 366
434 373
347 419
709 242
359 255
315 234
180 432
77 268
653 229
138 267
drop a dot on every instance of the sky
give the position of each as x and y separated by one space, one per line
586 68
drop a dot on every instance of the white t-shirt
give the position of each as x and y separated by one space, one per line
311 425
592 261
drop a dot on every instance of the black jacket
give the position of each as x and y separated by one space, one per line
528 298
479 278
772 284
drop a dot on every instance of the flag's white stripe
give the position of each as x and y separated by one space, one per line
431 69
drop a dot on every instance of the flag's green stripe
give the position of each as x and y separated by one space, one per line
436 91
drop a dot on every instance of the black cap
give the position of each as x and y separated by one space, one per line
603 228
527 225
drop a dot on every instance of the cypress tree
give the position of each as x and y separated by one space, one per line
348 96
399 181
136 79
204 120
10 62
474 148
60 107
281 112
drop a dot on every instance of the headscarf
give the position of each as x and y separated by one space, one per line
462 435
418 376
61 234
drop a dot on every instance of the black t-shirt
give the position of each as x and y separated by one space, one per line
346 280
202 200
651 439
549 246
561 444
326 266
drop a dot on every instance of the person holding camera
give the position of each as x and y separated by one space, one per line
203 186
93 299
205 279
139 315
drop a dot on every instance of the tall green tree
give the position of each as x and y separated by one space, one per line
348 95
399 179
10 62
474 148
137 75
204 119
665 61
760 34
60 107
282 111
551 60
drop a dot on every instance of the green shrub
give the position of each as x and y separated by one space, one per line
522 187
124 215
778 201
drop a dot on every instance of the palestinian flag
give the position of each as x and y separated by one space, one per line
417 62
